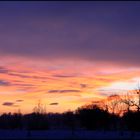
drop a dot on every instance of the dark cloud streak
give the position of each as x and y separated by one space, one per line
63 91
19 100
83 85
4 83
53 103
64 76
8 104
3 70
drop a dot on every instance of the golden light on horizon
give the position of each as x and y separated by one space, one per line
66 85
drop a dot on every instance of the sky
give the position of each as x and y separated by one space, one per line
67 54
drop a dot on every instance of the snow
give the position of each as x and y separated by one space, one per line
67 134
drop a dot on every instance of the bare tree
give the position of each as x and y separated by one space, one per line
128 101
40 108
113 104
131 100
137 104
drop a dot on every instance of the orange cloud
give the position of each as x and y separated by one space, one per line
71 84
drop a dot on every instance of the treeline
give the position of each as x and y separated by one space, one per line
90 117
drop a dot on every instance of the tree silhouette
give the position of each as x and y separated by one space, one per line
39 108
93 117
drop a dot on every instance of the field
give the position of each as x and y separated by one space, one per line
67 134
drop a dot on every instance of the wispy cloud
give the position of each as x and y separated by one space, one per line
8 104
3 70
63 91
64 76
53 103
4 83
19 100
28 76
83 85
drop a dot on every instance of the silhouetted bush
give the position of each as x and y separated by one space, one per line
94 118
132 120
88 117
11 121
36 121
69 119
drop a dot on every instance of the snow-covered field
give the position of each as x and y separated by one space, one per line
66 134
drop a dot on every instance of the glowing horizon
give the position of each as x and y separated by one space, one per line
23 84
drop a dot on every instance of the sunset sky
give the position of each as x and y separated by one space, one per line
67 54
